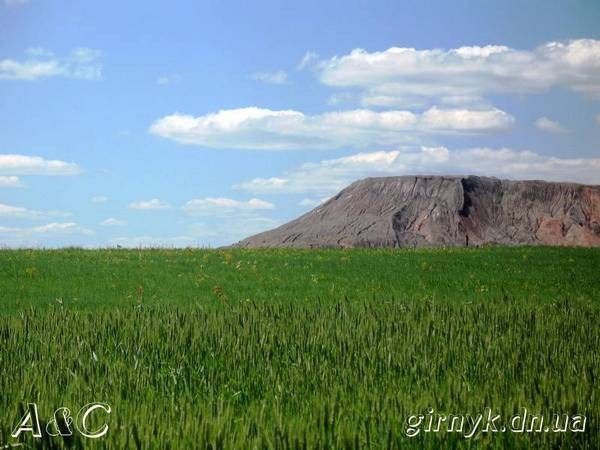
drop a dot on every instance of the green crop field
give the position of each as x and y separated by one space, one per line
291 349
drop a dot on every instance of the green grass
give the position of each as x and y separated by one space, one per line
300 349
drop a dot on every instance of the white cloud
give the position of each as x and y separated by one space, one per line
81 63
466 120
64 227
112 222
99 199
272 184
407 75
25 213
236 128
222 206
265 129
154 203
307 60
41 235
16 211
264 185
528 165
549 125
329 176
11 181
35 165
277 77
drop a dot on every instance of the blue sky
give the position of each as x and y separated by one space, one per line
198 123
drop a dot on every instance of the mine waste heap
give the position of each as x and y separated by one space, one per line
444 211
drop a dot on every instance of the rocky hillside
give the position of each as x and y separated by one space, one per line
425 211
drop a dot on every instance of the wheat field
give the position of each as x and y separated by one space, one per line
292 349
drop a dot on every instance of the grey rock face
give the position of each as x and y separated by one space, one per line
434 211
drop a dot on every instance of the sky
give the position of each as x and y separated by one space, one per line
196 123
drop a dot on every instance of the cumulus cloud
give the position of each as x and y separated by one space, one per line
549 125
528 165
466 120
16 211
399 76
61 227
265 129
12 181
154 203
11 164
211 206
81 63
277 77
272 184
112 222
329 176
25 213
41 235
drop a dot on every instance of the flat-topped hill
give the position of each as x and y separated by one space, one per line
426 211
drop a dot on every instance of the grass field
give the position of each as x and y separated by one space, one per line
253 349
